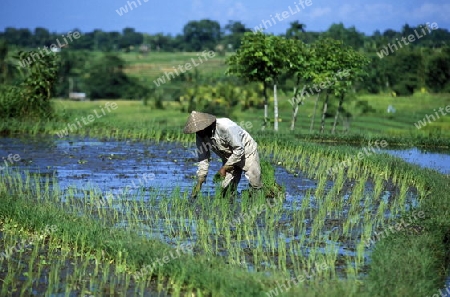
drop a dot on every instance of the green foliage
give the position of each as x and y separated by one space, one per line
331 58
363 107
73 66
438 72
250 61
261 58
10 101
405 87
129 38
337 67
403 71
296 30
236 30
220 98
106 79
4 67
376 79
393 72
31 97
203 34
349 36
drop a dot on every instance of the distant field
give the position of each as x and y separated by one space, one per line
154 64
409 110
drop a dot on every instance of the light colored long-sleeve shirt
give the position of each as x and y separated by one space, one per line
229 141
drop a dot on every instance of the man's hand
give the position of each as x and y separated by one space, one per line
197 187
225 168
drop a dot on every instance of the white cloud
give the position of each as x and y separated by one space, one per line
318 12
369 13
430 12
237 11
348 11
219 10
375 12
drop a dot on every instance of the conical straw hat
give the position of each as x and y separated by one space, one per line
198 121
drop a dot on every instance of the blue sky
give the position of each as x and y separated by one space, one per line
170 16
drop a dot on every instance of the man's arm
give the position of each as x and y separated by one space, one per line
203 153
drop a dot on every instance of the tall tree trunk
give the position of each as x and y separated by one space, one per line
294 117
295 104
275 107
341 100
266 104
325 106
314 113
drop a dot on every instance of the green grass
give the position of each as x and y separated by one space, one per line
153 65
133 115
408 111
124 247
134 120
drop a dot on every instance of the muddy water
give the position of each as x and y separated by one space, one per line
439 160
114 166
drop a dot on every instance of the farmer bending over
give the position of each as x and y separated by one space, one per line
232 144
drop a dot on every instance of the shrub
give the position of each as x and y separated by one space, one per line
30 98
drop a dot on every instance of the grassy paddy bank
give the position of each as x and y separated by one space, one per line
133 120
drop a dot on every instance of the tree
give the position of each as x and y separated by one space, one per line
334 69
114 39
261 58
376 79
438 72
4 69
403 69
235 31
30 98
107 80
349 36
327 70
200 35
295 30
323 68
20 37
72 67
352 63
130 38
41 37
299 59
160 41
101 40
391 34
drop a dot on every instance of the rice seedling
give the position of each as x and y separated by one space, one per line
330 223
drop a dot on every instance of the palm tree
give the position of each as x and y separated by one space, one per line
295 30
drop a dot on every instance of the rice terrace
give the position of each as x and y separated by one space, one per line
225 161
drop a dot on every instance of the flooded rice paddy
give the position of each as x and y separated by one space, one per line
439 160
144 187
